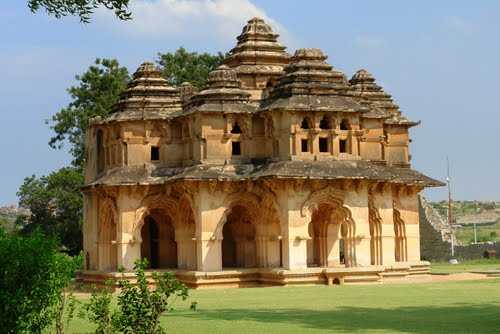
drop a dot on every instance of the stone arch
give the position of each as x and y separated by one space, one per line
107 235
155 230
306 123
250 232
400 241
152 202
331 229
345 124
326 122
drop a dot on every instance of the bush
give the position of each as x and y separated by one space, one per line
33 277
139 307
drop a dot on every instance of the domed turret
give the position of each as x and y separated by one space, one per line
310 83
258 56
148 96
222 94
364 87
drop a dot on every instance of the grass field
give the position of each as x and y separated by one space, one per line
465 266
427 308
484 232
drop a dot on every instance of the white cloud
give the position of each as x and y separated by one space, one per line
211 19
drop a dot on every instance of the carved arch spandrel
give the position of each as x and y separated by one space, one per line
151 202
262 208
325 195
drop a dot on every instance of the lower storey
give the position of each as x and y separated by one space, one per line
248 277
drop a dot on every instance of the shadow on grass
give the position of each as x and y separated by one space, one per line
460 318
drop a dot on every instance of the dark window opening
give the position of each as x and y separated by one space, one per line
344 125
236 148
155 153
236 128
305 145
325 123
343 146
306 124
323 145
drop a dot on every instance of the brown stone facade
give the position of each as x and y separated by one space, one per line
280 171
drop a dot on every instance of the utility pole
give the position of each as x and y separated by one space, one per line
450 217
475 234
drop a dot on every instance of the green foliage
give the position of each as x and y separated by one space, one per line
183 66
56 203
97 90
81 8
98 310
139 307
33 277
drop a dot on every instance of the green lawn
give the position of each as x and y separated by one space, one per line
446 307
465 266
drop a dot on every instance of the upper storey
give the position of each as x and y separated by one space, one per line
261 106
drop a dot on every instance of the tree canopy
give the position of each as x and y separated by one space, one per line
184 66
56 206
94 95
81 8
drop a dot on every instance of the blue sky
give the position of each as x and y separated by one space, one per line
439 59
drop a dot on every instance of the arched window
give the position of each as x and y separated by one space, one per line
306 123
344 125
100 151
236 128
325 123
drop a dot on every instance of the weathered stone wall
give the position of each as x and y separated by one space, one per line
476 251
435 239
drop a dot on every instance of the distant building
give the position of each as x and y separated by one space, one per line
280 171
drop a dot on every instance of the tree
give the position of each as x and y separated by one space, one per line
56 204
81 8
33 277
183 66
97 90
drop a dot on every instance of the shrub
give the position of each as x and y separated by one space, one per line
33 277
139 306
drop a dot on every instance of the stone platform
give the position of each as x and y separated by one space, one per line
253 277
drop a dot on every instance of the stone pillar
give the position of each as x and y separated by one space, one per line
357 202
128 244
408 208
294 230
383 203
209 214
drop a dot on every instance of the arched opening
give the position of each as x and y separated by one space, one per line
344 124
331 238
158 241
149 245
108 252
400 250
239 248
306 123
100 151
236 128
326 123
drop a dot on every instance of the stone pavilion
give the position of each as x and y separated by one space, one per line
279 171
